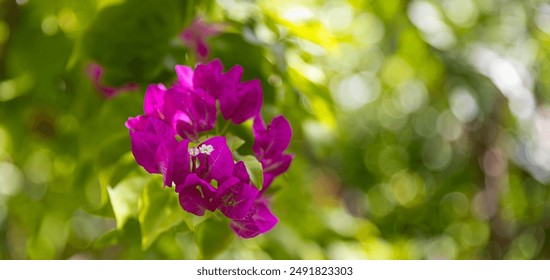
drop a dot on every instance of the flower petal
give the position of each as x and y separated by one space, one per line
258 220
258 126
146 143
195 35
276 168
218 165
235 198
273 140
208 77
242 104
137 123
239 171
178 167
154 100
202 49
185 76
196 195
95 72
189 112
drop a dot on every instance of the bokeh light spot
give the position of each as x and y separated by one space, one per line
38 167
463 105
68 20
441 248
356 91
11 179
396 71
437 154
461 12
412 95
50 25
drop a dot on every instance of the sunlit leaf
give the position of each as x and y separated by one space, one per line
255 171
159 211
125 199
234 142
108 239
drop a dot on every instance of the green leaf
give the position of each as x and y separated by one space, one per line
40 248
108 239
230 48
192 221
131 40
92 188
212 237
112 149
159 211
233 142
125 166
125 199
255 171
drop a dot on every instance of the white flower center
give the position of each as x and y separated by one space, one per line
206 149
194 152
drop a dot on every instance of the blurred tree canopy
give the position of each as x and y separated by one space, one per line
421 128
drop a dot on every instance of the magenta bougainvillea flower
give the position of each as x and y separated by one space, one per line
237 194
196 34
175 137
95 73
239 101
269 146
259 219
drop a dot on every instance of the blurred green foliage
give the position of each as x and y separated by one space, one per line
421 128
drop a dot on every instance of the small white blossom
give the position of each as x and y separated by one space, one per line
194 152
206 149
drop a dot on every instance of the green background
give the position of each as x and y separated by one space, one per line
421 129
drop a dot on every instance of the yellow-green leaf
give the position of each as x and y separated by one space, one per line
159 211
124 199
255 171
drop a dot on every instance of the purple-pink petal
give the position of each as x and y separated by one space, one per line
258 220
189 112
144 148
279 164
95 73
196 195
146 143
238 101
234 74
163 159
242 104
235 198
273 140
219 164
239 171
275 168
202 49
258 126
137 123
195 35
178 166
209 78
185 76
154 100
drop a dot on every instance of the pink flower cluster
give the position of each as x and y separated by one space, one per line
174 138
